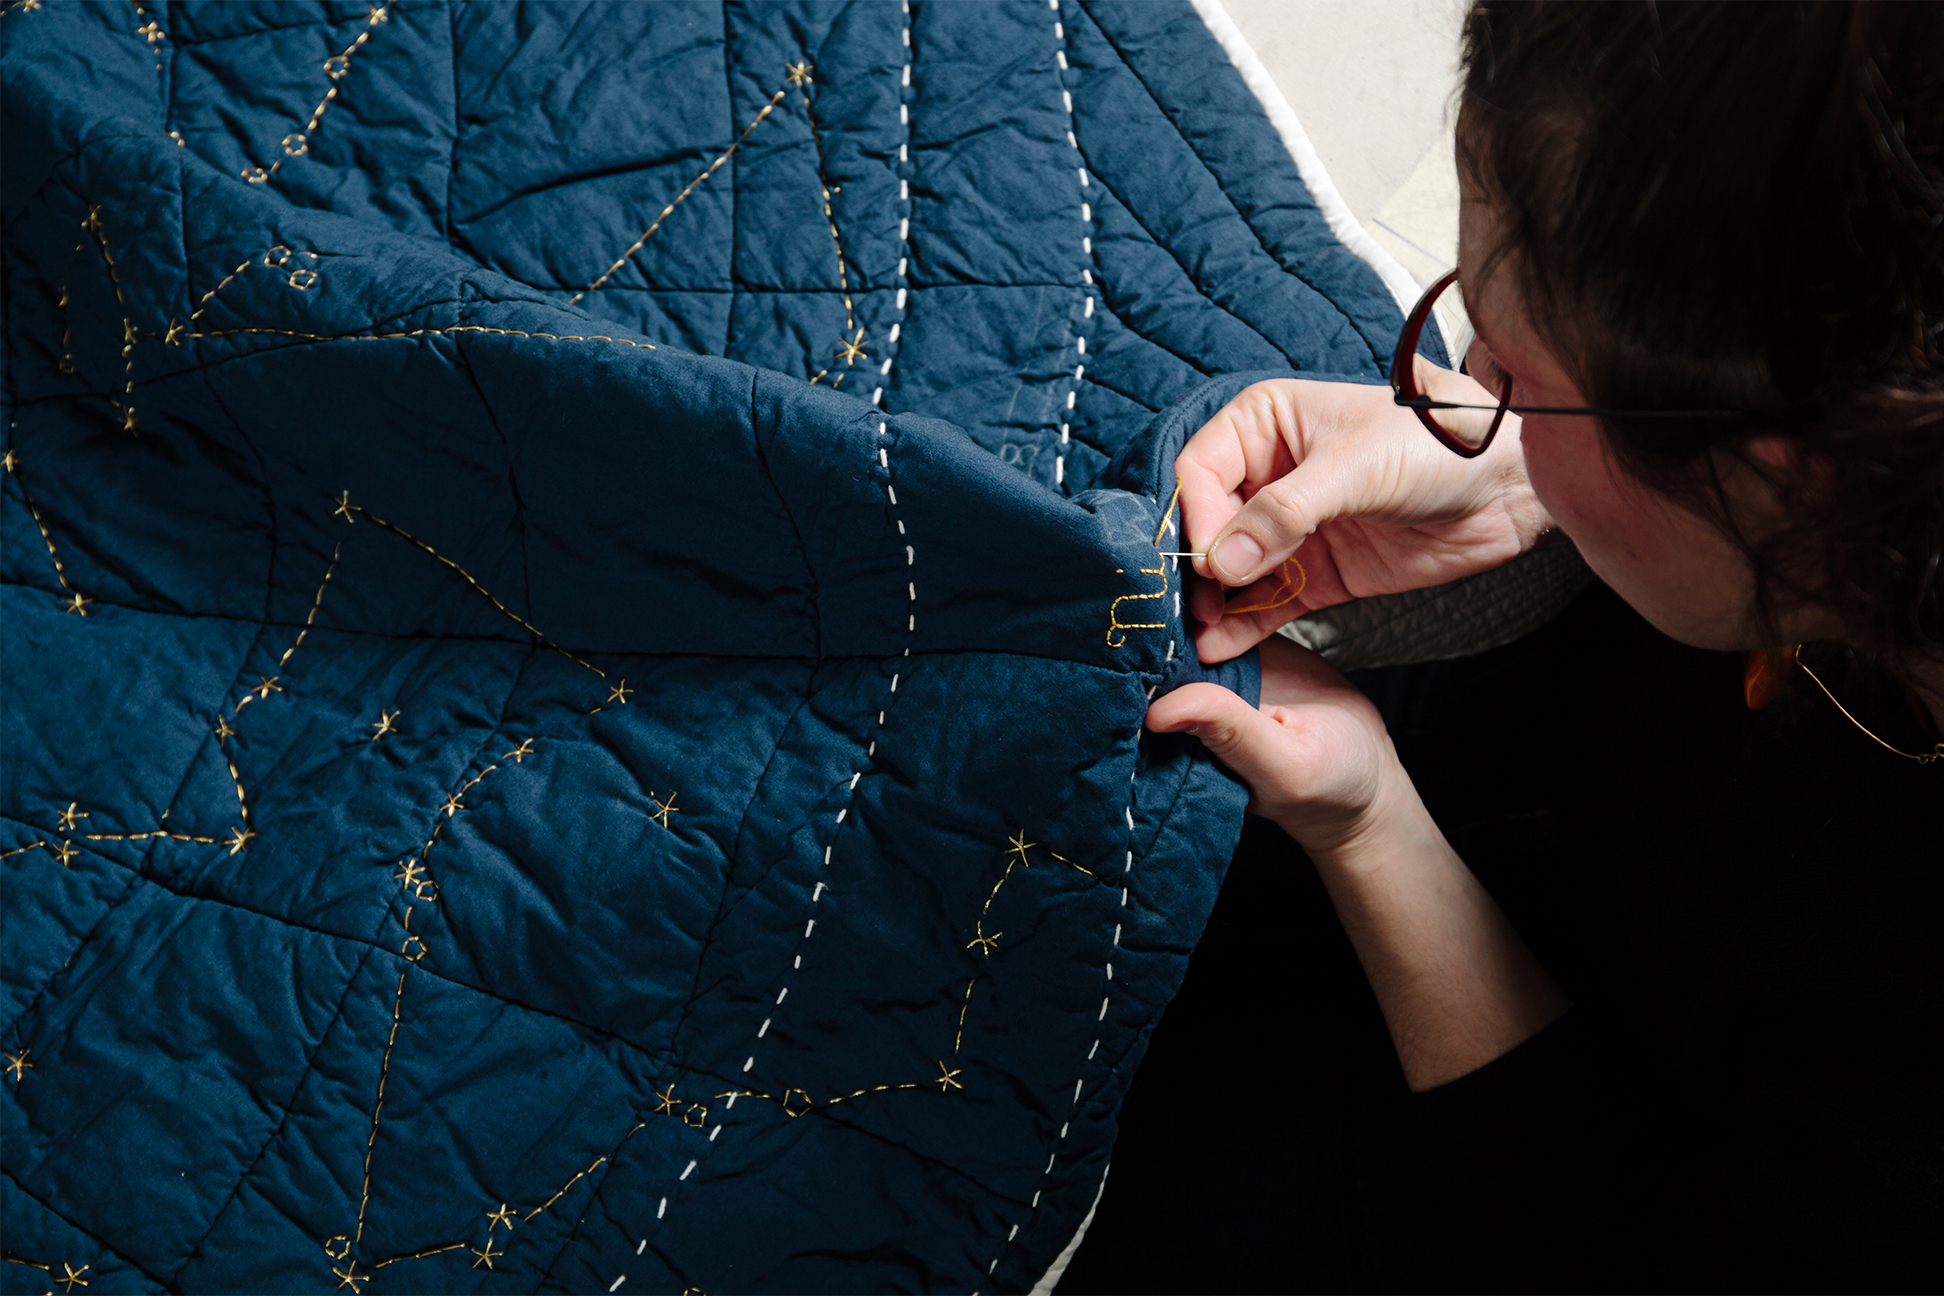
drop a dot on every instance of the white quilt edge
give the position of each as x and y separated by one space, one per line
1342 221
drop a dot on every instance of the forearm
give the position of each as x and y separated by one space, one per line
1457 985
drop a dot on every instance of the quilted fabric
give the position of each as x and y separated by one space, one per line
580 584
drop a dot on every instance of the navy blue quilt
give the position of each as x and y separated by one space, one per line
580 585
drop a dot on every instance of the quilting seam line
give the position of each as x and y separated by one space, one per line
108 911
1260 241
495 641
86 1233
662 1063
283 1119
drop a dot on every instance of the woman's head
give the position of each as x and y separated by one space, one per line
1697 205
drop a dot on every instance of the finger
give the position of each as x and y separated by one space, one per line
1232 455
1235 733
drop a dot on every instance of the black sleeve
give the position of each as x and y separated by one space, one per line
1570 1164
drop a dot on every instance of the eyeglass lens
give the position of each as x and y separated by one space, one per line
1467 427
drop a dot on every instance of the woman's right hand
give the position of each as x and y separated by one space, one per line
1351 484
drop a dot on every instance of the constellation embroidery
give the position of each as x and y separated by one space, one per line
667 211
385 724
17 1063
344 504
850 342
93 225
337 67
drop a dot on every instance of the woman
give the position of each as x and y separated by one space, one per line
1703 248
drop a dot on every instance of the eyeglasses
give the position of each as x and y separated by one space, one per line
1461 428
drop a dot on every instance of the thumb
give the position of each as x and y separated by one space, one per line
1276 521
1237 734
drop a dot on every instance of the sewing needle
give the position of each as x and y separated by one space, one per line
1169 554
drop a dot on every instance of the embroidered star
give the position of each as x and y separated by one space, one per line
665 1102
343 508
487 1256
386 723
453 805
852 351
265 687
93 223
223 730
409 873
1021 845
520 753
945 1080
70 816
619 693
11 461
64 852
152 30
378 14
341 1250
985 944
350 1277
800 72
499 1217
72 1278
174 335
128 419
18 1064
78 604
666 808
239 838
697 1115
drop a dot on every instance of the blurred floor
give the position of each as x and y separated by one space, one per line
1374 84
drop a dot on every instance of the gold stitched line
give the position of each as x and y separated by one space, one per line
668 210
384 1072
800 77
11 462
21 6
571 1182
203 305
532 629
22 850
1114 623
316 603
145 836
453 805
10 1257
151 29
424 332
1167 516
130 337
297 143
420 1255
66 362
963 1009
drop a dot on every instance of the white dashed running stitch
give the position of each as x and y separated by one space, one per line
819 887
904 216
1059 478
1086 243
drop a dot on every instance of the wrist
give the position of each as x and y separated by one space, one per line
1394 818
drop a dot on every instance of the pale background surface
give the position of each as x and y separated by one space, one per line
1374 83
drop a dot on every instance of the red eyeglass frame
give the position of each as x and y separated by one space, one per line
1405 392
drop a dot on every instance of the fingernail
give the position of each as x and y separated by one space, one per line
1235 557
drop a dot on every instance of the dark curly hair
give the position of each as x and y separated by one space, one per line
1741 204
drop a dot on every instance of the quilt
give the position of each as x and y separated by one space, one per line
580 583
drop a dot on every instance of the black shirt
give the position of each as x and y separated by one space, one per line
1748 910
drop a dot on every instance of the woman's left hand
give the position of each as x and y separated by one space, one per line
1316 756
